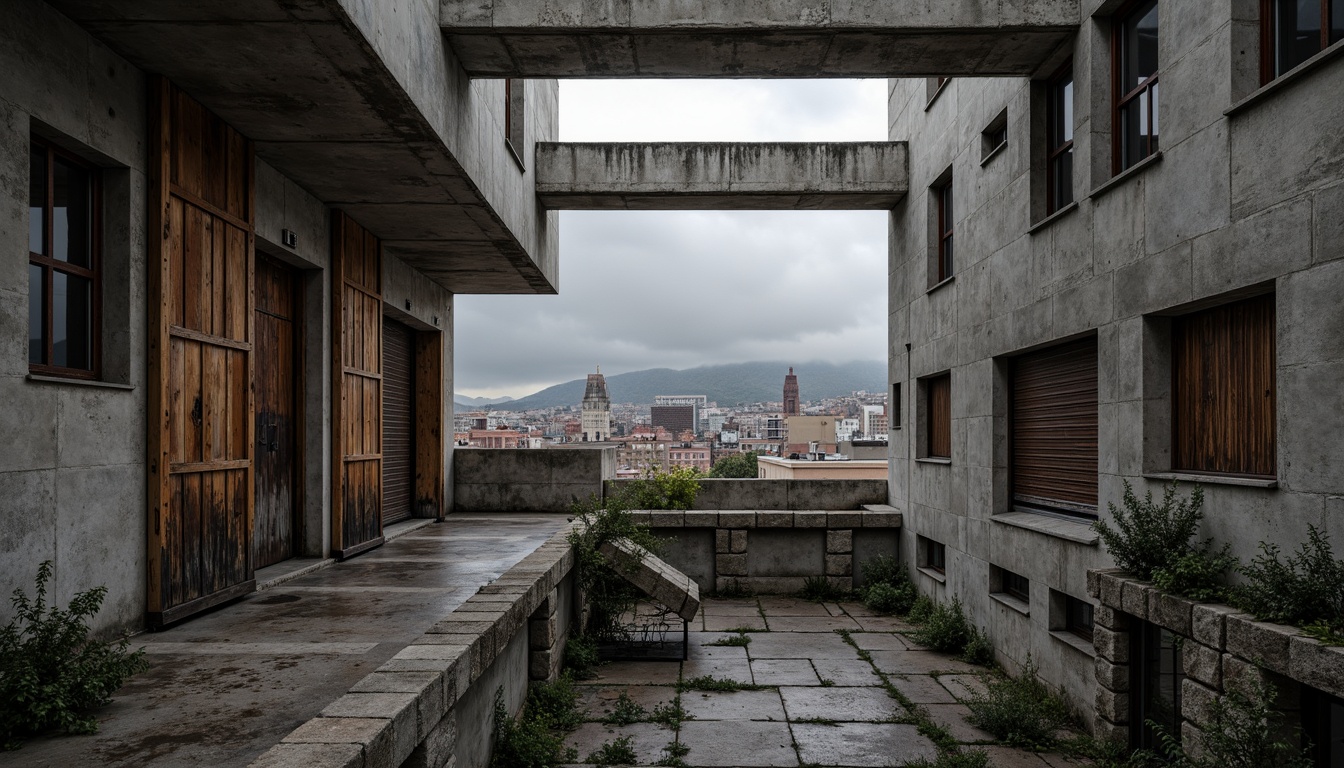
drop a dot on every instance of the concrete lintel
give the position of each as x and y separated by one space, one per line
755 38
722 176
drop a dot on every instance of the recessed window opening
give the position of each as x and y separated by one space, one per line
1059 140
946 230
932 555
1135 52
938 417
1078 618
994 137
1293 31
1014 585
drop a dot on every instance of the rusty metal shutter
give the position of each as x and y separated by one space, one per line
1054 428
398 420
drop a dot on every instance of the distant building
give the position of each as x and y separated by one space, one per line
698 404
875 421
802 431
595 423
791 394
674 418
684 455
493 438
774 468
845 429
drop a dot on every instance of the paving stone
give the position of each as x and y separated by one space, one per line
728 669
880 641
844 704
953 717
724 623
701 648
919 663
735 705
846 671
810 623
789 606
1006 757
786 645
598 701
883 624
963 687
922 689
858 609
861 744
784 672
647 739
638 673
730 608
737 743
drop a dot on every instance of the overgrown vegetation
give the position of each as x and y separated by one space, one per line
626 711
555 705
944 627
718 684
971 758
1306 590
674 754
581 657
673 489
528 742
921 609
52 674
820 589
735 465
887 586
1156 541
740 640
671 714
616 752
1020 711
1244 730
608 594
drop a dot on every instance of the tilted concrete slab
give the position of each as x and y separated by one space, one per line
720 176
755 38
653 577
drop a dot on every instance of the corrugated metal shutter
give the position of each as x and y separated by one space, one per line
398 420
1054 427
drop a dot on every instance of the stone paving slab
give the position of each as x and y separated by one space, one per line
784 672
922 689
919 663
882 624
854 705
801 645
646 739
738 744
811 623
735 705
954 718
880 641
728 669
722 623
846 671
638 673
963 687
861 744
788 606
598 701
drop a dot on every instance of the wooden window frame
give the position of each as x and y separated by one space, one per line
1122 99
946 230
50 266
934 448
1269 39
1055 148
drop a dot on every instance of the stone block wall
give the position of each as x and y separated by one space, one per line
528 480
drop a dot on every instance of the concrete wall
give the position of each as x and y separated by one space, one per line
528 480
716 493
1239 201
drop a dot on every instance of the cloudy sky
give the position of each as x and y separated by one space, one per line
678 289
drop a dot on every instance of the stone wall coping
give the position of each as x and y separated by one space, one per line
871 516
387 714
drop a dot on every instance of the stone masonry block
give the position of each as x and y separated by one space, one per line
886 518
731 565
1192 740
737 519
1095 579
1171 612
654 577
696 518
1112 705
1134 599
1114 677
774 519
539 665
1208 624
311 756
1316 665
541 633
844 519
1105 730
1110 618
1238 673
437 749
1261 642
839 542
1111 645
1196 699
668 519
809 519
721 542
839 565
1202 663
737 543
1112 591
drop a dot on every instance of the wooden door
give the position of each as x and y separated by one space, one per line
1054 428
398 421
357 332
200 359
277 421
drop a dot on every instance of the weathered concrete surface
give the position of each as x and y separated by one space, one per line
525 480
723 176
224 687
362 104
653 577
755 38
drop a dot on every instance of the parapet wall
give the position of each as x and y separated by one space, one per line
528 480
790 495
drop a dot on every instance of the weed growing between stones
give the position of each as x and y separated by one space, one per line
740 640
971 758
1306 591
52 674
674 755
888 588
1020 711
581 657
528 742
716 684
944 628
614 752
819 589
555 705
626 711
671 715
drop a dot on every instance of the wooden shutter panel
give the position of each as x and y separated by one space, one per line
940 416
1223 389
1054 427
398 420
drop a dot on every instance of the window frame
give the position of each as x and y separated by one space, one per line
51 265
1054 148
1077 628
933 555
1144 90
945 412
1014 585
1269 39
946 230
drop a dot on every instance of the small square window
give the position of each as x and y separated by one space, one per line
932 555
994 137
1006 582
1078 617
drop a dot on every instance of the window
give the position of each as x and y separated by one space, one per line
1293 31
945 230
1155 684
895 409
1011 584
1053 428
1078 617
932 555
938 417
1134 51
994 138
1059 140
1323 726
514 103
1223 390
932 87
63 255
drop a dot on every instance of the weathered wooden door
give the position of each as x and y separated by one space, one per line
357 384
398 420
277 419
200 359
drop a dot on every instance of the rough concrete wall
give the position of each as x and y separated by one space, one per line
789 494
475 707
1235 202
72 459
528 480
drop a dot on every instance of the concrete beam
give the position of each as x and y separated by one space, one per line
755 38
718 176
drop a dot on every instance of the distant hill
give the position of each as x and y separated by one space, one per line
476 402
729 385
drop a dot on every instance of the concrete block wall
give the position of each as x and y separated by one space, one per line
529 480
1247 195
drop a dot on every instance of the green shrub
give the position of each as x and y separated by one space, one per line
820 589
581 657
972 758
945 629
1020 711
527 742
888 588
555 705
1199 574
883 569
979 650
921 609
1244 730
626 711
616 752
609 595
671 714
52 674
674 489
1155 542
739 465
1307 590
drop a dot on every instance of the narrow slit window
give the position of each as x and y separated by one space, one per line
1059 154
1135 52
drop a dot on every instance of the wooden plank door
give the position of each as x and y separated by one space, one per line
357 332
398 421
277 420
200 359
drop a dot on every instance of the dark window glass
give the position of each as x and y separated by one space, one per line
37 199
1060 140
37 292
1155 684
937 556
1336 21
72 209
1016 585
1323 726
72 329
895 409
62 263
1136 37
1300 29
945 232
1079 618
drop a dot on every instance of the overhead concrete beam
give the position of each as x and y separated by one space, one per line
756 38
719 176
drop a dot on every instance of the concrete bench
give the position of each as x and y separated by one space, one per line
653 577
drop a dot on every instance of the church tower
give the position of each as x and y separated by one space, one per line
596 420
790 394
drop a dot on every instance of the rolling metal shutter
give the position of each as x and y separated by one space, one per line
1054 428
398 420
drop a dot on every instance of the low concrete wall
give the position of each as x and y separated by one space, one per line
827 495
523 480
430 706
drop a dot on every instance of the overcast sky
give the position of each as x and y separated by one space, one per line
678 289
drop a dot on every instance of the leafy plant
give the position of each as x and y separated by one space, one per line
526 742
581 657
673 755
1198 574
890 598
626 711
1307 590
671 714
740 640
711 683
674 489
615 752
978 649
1244 730
973 758
820 589
555 705
608 594
1154 541
921 609
739 465
1020 711
52 674
945 629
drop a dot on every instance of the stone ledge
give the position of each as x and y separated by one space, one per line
870 516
